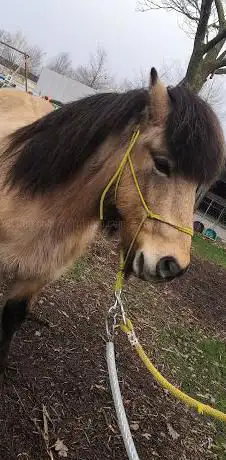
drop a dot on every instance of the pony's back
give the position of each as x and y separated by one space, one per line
18 109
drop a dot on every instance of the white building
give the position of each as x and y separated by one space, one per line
212 208
60 87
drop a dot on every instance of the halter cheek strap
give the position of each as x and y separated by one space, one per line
149 214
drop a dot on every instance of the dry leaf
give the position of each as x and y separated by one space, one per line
99 387
174 435
61 448
146 435
134 426
46 417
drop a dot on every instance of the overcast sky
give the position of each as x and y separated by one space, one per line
132 40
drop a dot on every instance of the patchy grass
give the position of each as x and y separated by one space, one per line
79 271
198 363
209 250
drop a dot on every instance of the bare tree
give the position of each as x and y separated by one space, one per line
61 63
208 19
125 85
213 92
36 55
4 36
140 80
95 73
17 40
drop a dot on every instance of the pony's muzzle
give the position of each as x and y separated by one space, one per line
166 268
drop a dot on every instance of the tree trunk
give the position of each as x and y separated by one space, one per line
201 67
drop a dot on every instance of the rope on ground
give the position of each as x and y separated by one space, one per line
188 400
117 397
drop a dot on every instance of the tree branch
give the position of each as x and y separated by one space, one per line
145 5
203 22
222 63
214 25
197 6
220 71
219 68
220 13
170 5
221 57
219 37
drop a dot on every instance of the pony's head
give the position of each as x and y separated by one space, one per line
179 149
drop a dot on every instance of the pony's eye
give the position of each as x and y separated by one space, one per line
162 166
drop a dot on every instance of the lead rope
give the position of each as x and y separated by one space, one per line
186 399
111 324
119 407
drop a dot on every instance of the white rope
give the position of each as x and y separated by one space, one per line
117 397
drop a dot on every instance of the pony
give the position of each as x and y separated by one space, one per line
55 165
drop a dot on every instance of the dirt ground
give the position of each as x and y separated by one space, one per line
56 394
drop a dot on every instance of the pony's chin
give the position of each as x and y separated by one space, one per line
154 279
151 279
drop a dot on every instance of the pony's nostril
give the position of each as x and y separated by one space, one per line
168 267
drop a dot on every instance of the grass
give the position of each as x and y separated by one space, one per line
198 363
209 250
79 270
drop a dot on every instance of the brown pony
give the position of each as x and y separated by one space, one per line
55 165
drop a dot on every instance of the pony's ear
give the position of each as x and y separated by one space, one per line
159 99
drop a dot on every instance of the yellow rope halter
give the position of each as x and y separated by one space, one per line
117 176
149 214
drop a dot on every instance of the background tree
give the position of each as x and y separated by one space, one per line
95 73
36 59
207 20
61 63
16 39
19 41
172 72
140 80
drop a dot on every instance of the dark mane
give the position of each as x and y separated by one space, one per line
194 136
50 151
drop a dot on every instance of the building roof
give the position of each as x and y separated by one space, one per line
60 87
